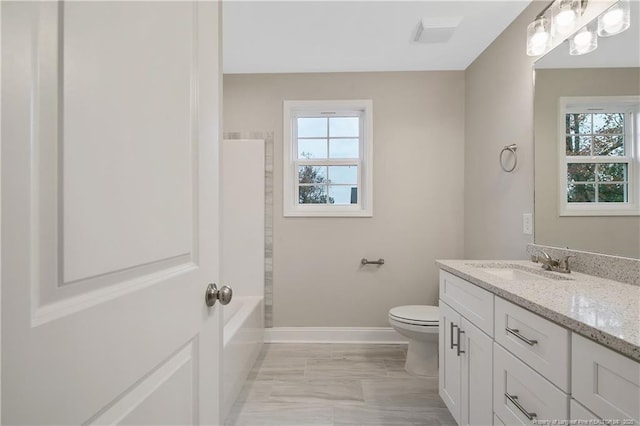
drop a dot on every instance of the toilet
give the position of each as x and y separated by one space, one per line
419 324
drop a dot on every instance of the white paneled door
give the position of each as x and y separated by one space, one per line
110 125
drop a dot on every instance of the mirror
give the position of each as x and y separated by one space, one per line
612 70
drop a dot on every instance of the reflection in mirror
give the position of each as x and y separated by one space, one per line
587 149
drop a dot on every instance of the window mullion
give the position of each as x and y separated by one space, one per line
328 162
597 160
592 140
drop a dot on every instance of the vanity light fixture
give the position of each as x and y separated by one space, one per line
584 41
564 15
560 19
538 36
615 20
557 20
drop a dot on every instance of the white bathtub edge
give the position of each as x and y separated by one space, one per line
243 341
237 321
372 335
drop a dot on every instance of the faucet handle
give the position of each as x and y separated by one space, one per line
564 262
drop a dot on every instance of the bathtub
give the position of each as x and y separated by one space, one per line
243 335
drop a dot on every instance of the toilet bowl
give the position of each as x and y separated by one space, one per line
419 324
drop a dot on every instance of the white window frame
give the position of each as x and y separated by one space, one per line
631 107
294 109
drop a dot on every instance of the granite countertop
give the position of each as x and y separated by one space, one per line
601 309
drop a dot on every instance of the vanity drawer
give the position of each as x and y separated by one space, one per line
473 302
538 342
536 396
605 381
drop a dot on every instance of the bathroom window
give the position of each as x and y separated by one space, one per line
328 158
599 168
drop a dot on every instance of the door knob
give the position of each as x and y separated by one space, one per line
212 294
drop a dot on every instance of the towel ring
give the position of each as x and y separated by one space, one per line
511 148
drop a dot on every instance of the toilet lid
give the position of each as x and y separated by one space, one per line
416 314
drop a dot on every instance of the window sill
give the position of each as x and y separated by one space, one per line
589 210
331 211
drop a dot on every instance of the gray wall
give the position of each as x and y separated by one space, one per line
499 111
612 235
418 196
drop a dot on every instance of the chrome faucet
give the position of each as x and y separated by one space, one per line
551 264
548 262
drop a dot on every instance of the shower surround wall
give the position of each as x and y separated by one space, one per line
418 196
268 215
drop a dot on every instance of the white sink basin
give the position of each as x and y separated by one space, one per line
515 272
512 274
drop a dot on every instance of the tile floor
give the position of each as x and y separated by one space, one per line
337 384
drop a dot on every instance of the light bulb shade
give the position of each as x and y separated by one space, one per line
564 17
615 20
584 41
538 37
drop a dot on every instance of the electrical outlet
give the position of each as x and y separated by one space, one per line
527 223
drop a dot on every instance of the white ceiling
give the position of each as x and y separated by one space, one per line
336 36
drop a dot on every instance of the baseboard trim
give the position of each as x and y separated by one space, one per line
372 335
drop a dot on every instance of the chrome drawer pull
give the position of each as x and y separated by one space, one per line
460 331
453 344
514 401
516 333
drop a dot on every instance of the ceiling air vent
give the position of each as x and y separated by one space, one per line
436 30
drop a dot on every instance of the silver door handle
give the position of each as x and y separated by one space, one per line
460 331
212 294
516 333
451 340
514 401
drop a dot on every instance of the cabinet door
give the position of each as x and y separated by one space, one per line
604 381
449 368
476 399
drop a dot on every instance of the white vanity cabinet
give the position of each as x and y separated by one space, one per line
604 381
502 364
465 350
